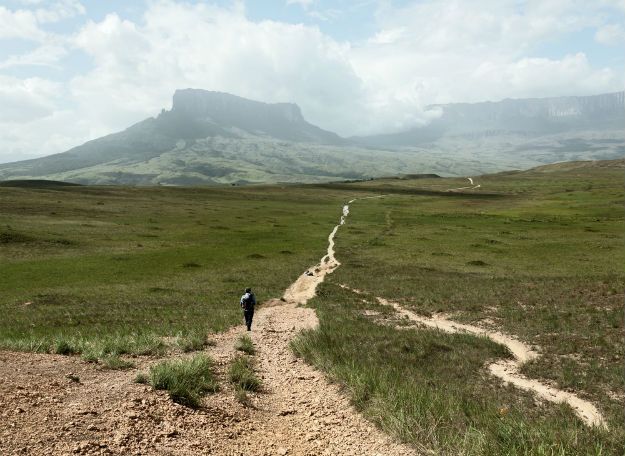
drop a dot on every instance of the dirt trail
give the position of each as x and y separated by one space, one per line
471 187
46 411
507 370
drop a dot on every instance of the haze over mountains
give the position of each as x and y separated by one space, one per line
217 138
533 116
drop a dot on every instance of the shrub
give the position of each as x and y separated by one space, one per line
63 347
192 342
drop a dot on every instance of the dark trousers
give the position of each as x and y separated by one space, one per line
248 314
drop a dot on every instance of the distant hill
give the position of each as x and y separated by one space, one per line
36 183
575 165
218 138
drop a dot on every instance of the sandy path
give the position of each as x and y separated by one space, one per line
299 412
471 187
506 370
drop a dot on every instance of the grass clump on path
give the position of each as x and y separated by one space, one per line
186 380
242 375
114 362
193 341
246 345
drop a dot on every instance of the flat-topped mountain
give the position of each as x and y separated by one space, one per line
531 116
213 112
195 114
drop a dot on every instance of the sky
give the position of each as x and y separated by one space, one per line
72 70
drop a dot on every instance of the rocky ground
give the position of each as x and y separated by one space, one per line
62 405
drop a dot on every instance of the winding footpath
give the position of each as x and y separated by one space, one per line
509 370
470 187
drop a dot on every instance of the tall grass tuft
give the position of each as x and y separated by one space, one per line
114 362
193 341
246 345
186 380
242 375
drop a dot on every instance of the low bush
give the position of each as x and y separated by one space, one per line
116 363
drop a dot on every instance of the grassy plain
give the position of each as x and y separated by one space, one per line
111 270
104 271
544 263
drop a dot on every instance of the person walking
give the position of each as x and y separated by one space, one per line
248 301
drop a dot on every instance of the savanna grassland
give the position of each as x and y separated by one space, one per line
112 270
104 271
544 263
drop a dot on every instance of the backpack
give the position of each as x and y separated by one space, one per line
247 302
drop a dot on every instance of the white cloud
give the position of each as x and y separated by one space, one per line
21 24
449 51
26 23
611 35
303 3
53 133
26 100
58 10
571 75
44 55
431 51
138 67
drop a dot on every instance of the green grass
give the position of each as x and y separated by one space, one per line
192 341
101 269
245 344
241 374
544 264
431 389
114 362
186 380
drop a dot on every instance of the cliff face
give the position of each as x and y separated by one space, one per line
592 108
278 120
224 108
532 116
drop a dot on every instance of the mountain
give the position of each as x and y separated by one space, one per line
529 117
195 114
218 138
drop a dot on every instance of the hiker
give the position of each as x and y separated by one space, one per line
248 301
